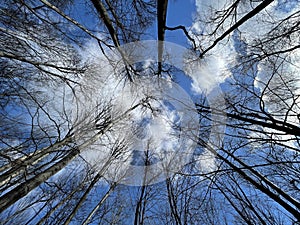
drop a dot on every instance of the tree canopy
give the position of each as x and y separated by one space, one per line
99 125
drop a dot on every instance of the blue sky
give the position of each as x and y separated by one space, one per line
181 12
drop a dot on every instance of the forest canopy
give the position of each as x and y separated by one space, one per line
105 119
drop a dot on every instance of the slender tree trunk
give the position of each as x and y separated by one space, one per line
260 186
172 202
23 189
83 198
162 6
242 215
49 213
20 165
86 221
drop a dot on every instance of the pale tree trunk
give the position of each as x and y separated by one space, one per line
20 165
83 198
49 213
91 185
23 189
86 221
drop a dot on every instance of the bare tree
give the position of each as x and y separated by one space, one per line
59 143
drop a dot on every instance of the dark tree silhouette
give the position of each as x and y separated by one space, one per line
59 144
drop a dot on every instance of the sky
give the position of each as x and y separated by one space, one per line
198 82
213 71
204 78
179 13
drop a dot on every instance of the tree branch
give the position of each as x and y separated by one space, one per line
180 27
248 16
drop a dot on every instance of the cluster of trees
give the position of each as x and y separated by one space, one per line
51 123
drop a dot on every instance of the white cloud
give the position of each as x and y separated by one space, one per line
208 73
283 84
214 68
206 162
102 83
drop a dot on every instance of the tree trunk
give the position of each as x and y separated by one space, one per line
23 189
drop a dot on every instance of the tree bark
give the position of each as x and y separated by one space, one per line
23 189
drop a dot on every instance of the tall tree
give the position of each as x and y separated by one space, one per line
73 106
